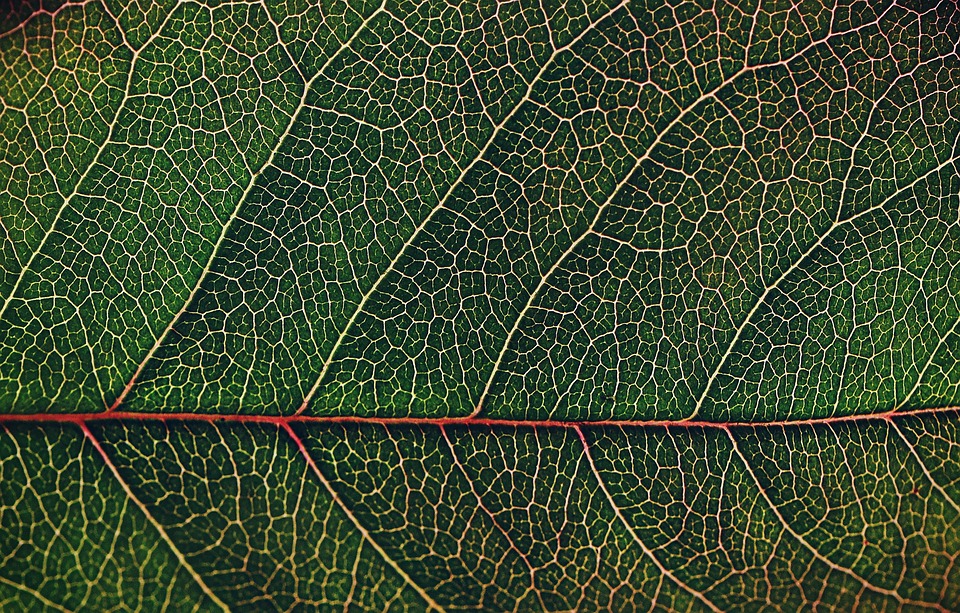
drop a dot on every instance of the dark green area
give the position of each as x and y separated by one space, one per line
752 519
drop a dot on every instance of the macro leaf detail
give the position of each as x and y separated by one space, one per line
511 306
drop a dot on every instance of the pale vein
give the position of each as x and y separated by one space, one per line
150 518
240 202
813 550
356 523
623 520
443 201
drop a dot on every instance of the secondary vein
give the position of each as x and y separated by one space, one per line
616 190
441 204
623 520
93 162
813 550
240 202
150 518
353 519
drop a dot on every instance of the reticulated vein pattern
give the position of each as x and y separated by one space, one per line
425 305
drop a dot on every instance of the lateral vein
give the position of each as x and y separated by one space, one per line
308 85
150 518
712 93
431 603
86 173
643 546
441 204
813 550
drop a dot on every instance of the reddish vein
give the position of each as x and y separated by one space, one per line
285 421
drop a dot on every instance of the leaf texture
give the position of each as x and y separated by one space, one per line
508 306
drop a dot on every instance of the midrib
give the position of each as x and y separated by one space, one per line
287 420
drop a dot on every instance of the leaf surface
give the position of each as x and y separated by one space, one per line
504 306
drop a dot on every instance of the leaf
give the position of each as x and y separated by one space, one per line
507 306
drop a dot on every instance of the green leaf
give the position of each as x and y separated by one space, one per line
504 306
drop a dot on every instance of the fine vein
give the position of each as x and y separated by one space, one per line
441 204
813 550
236 209
153 521
93 162
643 546
353 519
531 299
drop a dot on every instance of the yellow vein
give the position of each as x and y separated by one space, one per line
816 553
496 523
799 262
32 592
353 519
623 520
150 518
86 173
927 365
616 190
923 466
236 209
442 203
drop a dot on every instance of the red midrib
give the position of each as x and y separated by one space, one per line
278 420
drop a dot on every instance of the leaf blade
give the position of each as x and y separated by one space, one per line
501 306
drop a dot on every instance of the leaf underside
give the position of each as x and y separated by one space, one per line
508 306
